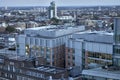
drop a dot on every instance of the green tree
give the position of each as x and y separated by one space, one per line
54 21
10 29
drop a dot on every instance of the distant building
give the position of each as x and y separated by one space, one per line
21 25
47 42
7 40
31 24
3 24
66 18
52 10
94 23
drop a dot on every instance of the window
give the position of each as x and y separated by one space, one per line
73 51
73 64
73 57
68 56
95 57
100 55
42 48
47 43
17 45
47 49
117 50
31 40
118 62
68 64
68 50
36 41
1 60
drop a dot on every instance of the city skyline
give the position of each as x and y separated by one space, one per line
59 2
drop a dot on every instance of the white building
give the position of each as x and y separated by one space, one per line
46 41
89 49
101 74
108 72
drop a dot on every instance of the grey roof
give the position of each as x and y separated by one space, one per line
53 31
99 72
98 36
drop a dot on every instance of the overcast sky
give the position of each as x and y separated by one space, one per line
58 2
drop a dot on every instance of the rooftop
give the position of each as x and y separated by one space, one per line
49 69
41 68
99 72
12 55
95 36
53 30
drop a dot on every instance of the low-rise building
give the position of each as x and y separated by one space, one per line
13 67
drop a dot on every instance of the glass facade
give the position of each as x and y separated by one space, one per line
117 30
100 55
99 58
116 49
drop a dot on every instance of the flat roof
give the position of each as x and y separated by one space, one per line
53 31
99 72
95 36
38 28
49 69
96 32
52 27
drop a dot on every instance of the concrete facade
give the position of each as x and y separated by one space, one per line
89 49
47 42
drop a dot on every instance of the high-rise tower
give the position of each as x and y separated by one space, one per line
52 10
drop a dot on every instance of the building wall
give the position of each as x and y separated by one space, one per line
12 69
74 51
20 45
82 50
99 47
53 49
99 53
116 48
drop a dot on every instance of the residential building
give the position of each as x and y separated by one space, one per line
47 42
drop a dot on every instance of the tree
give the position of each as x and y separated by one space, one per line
10 29
55 21
95 17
